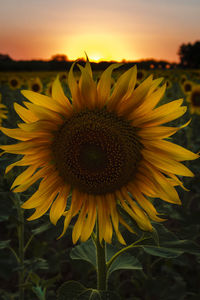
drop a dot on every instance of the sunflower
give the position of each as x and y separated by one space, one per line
14 82
63 76
48 90
168 83
3 111
183 79
105 149
193 99
187 86
35 85
141 74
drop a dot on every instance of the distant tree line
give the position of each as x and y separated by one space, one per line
189 55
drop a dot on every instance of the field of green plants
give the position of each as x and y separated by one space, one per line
34 264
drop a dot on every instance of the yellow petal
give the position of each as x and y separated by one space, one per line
123 87
24 176
115 217
104 84
39 174
59 96
25 114
171 150
88 226
40 210
144 203
88 89
129 105
150 102
164 189
44 113
121 220
74 89
43 100
79 223
160 115
136 213
155 84
166 164
159 132
59 205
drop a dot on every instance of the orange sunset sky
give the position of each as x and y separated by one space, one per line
106 29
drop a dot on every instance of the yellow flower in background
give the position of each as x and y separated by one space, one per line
168 83
35 85
105 149
193 99
14 82
63 76
48 90
141 74
183 79
187 86
3 111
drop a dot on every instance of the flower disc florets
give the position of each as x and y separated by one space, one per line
97 151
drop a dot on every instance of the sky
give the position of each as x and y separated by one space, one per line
105 30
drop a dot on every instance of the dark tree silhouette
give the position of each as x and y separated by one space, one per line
190 55
5 57
59 57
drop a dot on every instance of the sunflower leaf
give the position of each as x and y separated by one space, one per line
70 290
4 244
85 251
125 261
162 251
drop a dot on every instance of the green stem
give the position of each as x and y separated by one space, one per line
101 262
28 243
21 246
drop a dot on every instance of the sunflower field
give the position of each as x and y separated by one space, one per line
144 260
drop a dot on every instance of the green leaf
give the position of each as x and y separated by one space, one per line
85 251
155 236
39 292
162 251
185 246
4 244
163 233
70 290
124 261
41 228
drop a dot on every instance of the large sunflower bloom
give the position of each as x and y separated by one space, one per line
106 149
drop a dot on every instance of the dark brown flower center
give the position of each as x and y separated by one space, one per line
96 151
140 75
35 87
187 87
14 82
196 98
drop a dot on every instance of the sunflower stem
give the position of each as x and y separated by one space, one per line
101 262
20 230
